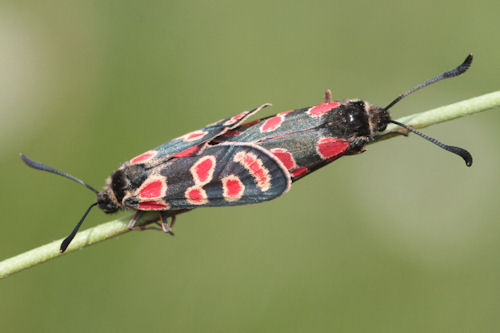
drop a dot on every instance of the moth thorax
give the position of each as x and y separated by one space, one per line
353 119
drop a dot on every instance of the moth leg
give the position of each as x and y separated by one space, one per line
356 151
134 220
357 146
164 224
327 98
144 227
172 221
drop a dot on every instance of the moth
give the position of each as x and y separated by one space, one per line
230 162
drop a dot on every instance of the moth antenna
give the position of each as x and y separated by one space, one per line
452 149
452 73
37 165
67 240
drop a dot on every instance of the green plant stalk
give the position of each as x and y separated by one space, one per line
119 226
450 112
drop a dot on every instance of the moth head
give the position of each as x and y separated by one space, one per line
378 118
106 201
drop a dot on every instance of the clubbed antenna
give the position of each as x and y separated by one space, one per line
39 166
452 149
454 72
67 240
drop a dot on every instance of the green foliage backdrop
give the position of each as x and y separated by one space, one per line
403 238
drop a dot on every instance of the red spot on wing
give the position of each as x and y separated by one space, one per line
152 189
299 172
321 109
232 133
191 151
285 157
194 135
271 124
256 168
152 205
203 170
195 195
330 147
143 157
235 119
289 162
232 188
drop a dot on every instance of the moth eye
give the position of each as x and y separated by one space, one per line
382 127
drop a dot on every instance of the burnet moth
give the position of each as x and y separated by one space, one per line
230 163
307 139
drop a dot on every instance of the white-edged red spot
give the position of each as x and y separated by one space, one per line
152 190
203 170
285 157
289 162
256 168
299 172
154 187
152 205
144 157
232 188
235 119
321 109
330 147
191 151
195 195
271 124
194 135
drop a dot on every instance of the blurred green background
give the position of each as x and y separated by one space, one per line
403 238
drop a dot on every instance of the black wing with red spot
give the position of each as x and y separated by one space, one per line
193 143
283 123
223 175
305 152
303 139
